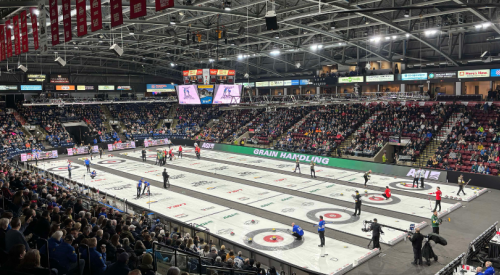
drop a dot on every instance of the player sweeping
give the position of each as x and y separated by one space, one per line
367 176
197 151
461 184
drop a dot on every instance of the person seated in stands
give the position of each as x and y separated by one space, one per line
453 155
30 264
429 163
93 174
474 167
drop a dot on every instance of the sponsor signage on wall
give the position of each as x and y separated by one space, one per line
474 73
275 83
36 77
59 78
106 87
65 87
262 84
31 87
414 76
351 79
379 78
85 87
442 75
160 88
8 87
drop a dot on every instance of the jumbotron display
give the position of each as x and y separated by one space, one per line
227 94
188 95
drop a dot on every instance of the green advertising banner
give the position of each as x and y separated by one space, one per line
396 170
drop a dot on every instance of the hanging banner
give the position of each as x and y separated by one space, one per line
81 17
66 11
2 43
137 8
8 33
54 22
34 28
164 4
17 35
44 44
95 15
116 13
24 32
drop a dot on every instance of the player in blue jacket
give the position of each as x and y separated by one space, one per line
87 163
297 232
139 184
321 231
93 174
146 186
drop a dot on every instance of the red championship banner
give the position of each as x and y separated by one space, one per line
66 11
137 8
116 13
95 15
164 4
2 43
17 35
24 32
54 22
81 17
34 27
8 33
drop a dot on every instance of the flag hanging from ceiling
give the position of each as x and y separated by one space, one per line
2 43
44 43
66 11
54 22
116 13
137 8
8 34
95 15
24 32
164 4
81 17
34 28
17 35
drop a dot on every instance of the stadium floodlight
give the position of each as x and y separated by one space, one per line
61 61
116 49
22 68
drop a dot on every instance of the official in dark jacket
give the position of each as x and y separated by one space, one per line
376 230
416 241
166 183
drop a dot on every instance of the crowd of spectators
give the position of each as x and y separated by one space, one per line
473 143
13 140
140 120
322 131
270 125
227 125
192 119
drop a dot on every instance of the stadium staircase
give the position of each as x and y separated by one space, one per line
359 131
108 115
431 148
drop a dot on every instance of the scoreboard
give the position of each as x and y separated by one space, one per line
208 76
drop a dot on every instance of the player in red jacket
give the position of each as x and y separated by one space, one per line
171 154
387 194
180 152
438 198
197 151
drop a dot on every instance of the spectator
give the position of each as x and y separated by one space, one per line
98 263
218 262
222 252
66 256
14 236
174 271
31 264
16 254
4 224
146 266
120 267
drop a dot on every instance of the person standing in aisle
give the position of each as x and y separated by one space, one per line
100 153
143 154
313 172
435 222
367 176
321 231
357 204
165 179
87 163
179 155
438 198
297 165
416 177
139 184
461 184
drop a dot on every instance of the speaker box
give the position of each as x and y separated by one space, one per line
271 21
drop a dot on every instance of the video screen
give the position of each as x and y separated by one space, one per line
206 93
227 94
188 94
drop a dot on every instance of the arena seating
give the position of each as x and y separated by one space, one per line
14 141
473 141
39 236
141 120
325 128
193 118
227 125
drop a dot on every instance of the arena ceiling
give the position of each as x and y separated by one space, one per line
311 34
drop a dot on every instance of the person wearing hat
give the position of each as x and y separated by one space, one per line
147 264
357 204
120 267
66 255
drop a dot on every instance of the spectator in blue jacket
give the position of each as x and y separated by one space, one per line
98 263
66 255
